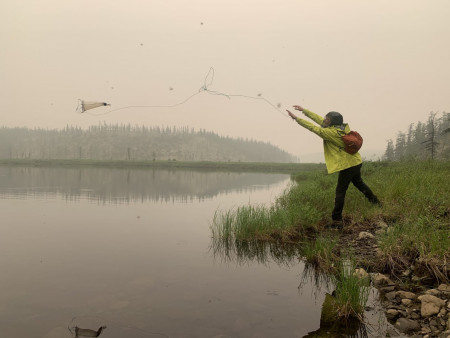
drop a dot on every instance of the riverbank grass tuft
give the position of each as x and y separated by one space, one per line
320 252
352 291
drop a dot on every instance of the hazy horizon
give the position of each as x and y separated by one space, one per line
382 64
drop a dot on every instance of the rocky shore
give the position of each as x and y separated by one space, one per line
415 302
419 314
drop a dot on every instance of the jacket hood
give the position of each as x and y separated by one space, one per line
342 127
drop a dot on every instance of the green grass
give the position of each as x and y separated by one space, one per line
352 292
416 206
319 252
253 223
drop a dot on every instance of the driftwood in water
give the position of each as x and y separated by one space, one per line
79 332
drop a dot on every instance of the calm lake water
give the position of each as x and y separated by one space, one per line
132 250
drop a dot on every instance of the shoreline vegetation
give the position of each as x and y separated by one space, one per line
169 164
404 246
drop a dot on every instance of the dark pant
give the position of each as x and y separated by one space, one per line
352 174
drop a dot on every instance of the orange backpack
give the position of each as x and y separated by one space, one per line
352 141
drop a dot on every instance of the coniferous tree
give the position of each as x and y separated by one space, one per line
400 146
423 140
126 142
430 142
390 152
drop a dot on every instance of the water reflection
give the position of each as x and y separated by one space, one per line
329 327
322 283
241 252
142 268
128 185
78 327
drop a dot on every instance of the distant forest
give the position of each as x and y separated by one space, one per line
429 140
126 142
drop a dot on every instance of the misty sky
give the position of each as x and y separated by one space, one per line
382 64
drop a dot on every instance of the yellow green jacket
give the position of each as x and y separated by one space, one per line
336 158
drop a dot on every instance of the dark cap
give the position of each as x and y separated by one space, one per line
335 118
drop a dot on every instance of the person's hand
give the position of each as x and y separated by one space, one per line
291 115
299 108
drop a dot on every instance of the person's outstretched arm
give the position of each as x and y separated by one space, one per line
324 133
313 116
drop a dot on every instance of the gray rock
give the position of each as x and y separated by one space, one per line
380 279
391 332
381 224
407 325
361 273
403 313
391 295
380 231
406 294
365 235
391 314
431 305
414 315
379 252
434 329
433 322
445 334
425 330
433 292
444 288
387 288
406 302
